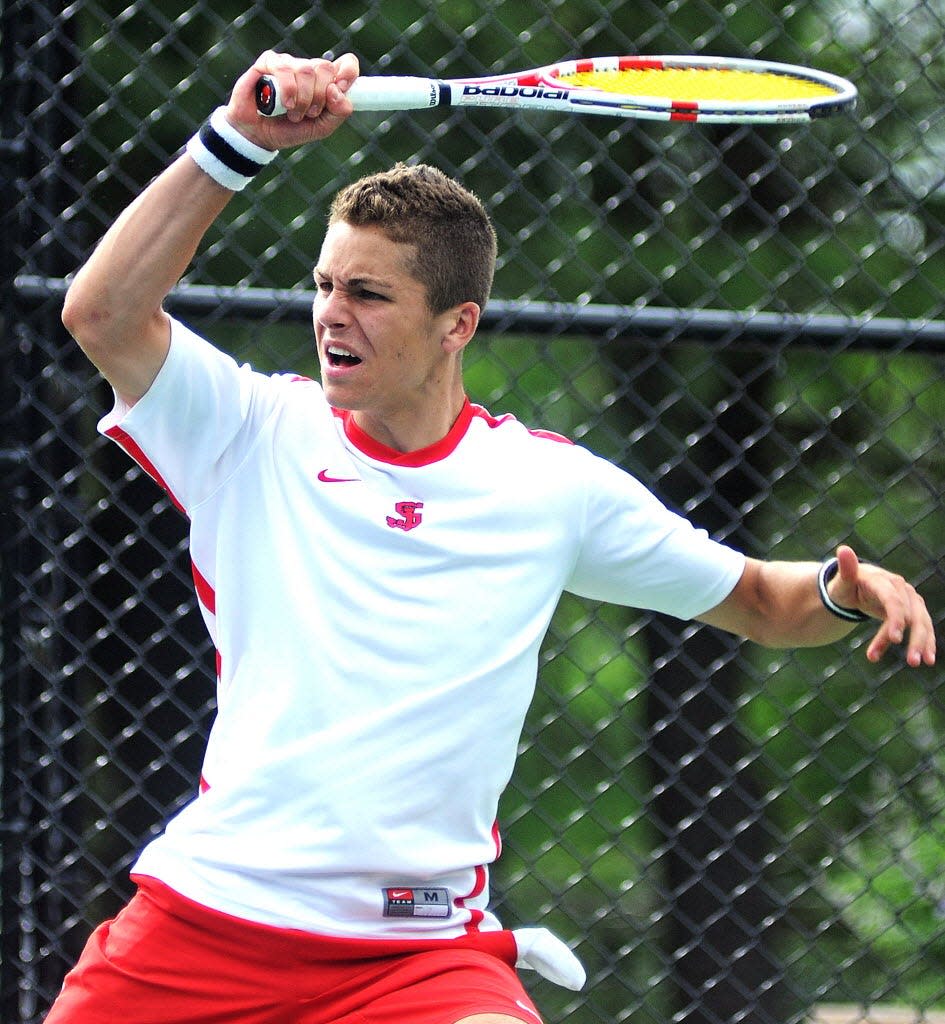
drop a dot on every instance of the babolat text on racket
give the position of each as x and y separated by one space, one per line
707 89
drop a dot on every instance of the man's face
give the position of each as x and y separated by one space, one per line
379 346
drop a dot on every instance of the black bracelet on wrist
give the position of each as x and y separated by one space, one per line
828 570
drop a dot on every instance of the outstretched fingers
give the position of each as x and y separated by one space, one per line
905 619
884 595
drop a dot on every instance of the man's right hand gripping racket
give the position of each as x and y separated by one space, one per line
705 89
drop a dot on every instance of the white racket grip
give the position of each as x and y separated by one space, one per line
366 93
394 92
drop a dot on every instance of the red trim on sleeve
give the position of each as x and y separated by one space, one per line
132 447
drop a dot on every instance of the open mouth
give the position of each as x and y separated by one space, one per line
338 356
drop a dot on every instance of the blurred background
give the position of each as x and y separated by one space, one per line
749 319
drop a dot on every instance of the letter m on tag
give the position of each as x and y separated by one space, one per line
408 515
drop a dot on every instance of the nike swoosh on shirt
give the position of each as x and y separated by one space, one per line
326 479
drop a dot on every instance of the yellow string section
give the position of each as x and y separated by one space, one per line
698 85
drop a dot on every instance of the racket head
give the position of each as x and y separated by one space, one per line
722 89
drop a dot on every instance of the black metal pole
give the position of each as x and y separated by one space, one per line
36 53
592 320
13 462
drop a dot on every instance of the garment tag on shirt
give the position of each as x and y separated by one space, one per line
403 901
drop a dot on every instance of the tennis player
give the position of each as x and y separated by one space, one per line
377 560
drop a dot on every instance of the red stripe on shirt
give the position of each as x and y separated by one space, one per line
475 915
132 447
205 593
497 421
497 838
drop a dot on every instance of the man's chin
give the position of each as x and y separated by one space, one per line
340 397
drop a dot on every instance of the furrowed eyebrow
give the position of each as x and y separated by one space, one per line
366 282
354 283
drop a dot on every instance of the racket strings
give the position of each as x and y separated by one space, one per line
699 85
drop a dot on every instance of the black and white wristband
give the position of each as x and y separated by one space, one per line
827 572
228 157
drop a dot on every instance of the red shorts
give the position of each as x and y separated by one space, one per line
167 960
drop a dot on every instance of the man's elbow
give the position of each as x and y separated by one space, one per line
86 320
752 610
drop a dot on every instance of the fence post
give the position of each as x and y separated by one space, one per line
12 470
34 58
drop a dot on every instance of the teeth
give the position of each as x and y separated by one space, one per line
336 350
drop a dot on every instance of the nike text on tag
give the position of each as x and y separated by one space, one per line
325 478
403 901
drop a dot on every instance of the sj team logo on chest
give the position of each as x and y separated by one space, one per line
408 515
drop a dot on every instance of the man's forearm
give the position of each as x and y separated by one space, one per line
779 604
114 306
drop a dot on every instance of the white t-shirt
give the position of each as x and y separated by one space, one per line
377 618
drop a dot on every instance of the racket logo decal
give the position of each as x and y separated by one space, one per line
515 92
404 902
408 516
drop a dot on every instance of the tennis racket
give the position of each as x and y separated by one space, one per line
708 89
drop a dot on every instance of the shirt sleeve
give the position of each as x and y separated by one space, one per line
196 422
636 552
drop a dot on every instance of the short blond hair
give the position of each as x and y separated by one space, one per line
453 237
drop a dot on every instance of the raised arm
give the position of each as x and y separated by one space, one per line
778 604
114 306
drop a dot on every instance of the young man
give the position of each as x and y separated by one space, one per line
377 560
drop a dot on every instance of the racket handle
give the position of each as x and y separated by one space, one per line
267 97
367 93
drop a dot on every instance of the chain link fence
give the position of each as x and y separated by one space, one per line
750 319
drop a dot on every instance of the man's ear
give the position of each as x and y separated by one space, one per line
461 323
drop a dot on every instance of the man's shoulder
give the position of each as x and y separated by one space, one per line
506 427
